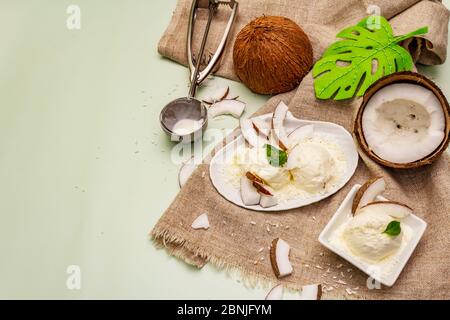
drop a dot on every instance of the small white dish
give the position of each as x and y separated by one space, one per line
337 134
387 272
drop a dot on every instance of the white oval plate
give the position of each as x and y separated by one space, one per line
337 134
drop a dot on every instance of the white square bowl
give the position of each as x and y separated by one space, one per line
344 214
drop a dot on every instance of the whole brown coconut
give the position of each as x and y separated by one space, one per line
272 55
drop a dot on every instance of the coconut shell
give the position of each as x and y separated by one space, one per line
272 55
403 77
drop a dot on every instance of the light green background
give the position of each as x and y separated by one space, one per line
85 171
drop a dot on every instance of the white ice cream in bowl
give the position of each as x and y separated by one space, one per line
375 234
366 238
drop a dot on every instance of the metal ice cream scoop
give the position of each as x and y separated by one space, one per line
185 119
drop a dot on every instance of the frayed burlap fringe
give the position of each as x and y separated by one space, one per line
163 238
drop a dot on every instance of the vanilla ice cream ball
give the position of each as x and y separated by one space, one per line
311 166
255 160
364 236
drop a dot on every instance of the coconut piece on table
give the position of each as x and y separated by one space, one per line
234 108
276 293
279 258
311 292
231 96
186 171
218 95
202 222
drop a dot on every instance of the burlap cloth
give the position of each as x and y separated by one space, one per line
233 242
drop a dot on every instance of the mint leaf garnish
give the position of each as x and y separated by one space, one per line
276 157
393 228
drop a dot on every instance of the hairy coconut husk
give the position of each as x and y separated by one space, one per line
403 77
272 55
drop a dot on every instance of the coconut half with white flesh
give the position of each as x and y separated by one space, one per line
279 131
279 258
368 192
234 108
276 293
311 292
404 121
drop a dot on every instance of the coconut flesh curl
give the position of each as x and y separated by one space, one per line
272 55
403 123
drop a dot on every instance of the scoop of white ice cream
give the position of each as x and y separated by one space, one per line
311 165
364 236
255 160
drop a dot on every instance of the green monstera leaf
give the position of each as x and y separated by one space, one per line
367 52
